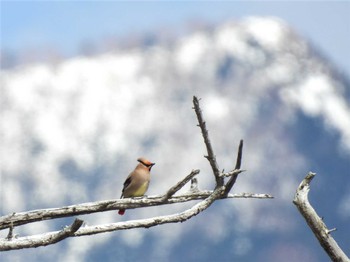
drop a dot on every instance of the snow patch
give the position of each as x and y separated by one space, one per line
318 96
191 51
269 32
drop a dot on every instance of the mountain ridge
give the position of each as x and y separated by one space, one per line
71 132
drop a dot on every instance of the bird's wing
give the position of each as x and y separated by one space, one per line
126 184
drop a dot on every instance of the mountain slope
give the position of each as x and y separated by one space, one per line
71 132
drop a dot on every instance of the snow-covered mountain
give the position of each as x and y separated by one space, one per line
72 131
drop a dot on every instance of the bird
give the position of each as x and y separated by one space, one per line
136 184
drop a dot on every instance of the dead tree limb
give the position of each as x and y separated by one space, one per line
234 176
221 191
72 231
22 218
154 221
316 223
42 239
211 157
179 185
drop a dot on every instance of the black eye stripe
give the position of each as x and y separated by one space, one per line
146 164
143 163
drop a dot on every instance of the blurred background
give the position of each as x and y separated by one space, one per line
88 87
32 30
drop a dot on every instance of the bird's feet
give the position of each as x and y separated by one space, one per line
140 197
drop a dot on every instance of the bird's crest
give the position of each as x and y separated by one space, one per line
146 162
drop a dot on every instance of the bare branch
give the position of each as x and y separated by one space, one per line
211 157
316 223
207 197
180 184
40 240
232 173
150 222
331 230
54 237
233 178
22 218
17 219
239 155
10 234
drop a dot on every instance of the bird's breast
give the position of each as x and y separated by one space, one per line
141 190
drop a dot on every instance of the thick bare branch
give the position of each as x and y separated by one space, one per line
17 219
211 157
208 196
316 223
22 218
54 237
154 221
40 240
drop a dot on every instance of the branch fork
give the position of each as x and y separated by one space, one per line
207 197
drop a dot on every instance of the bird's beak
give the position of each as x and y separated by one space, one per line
151 165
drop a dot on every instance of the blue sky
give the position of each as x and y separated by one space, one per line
66 25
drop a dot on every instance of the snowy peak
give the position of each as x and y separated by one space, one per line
71 132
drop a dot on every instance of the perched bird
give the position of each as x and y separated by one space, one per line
136 184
